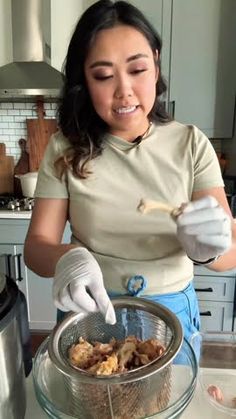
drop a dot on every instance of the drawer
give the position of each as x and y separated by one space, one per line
216 316
202 270
214 288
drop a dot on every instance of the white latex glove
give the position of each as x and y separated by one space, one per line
204 229
78 285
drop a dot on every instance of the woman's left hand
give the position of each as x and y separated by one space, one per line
204 229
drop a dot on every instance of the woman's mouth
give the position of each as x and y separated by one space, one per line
125 109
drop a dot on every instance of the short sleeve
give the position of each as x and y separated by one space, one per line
207 172
48 184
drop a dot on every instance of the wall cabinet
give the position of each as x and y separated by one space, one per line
37 290
64 17
198 60
216 296
203 64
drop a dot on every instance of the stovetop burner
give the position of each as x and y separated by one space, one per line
10 203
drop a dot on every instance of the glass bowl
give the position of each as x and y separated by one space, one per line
217 373
52 392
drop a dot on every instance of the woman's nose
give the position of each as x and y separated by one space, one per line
123 89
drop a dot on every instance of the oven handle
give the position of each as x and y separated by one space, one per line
12 266
17 267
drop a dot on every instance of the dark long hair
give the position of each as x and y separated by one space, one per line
78 120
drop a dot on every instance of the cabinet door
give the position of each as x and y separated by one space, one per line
16 271
42 312
215 288
203 64
38 293
64 17
158 13
216 316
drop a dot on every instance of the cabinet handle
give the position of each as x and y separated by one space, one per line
205 313
12 266
204 289
17 267
171 108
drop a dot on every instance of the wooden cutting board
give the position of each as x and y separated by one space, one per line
39 132
21 167
6 171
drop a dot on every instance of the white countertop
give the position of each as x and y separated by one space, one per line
198 408
16 215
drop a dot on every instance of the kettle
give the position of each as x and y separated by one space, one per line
15 350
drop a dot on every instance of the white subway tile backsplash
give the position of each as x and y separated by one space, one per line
6 105
3 125
7 118
19 105
26 112
50 114
13 123
13 112
8 131
19 119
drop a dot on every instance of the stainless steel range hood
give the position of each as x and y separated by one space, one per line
30 73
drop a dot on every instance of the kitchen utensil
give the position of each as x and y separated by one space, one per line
21 167
15 353
138 393
6 171
55 398
147 205
39 132
218 373
28 183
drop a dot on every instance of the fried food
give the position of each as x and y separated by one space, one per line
114 357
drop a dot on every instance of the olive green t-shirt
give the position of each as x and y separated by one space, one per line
169 164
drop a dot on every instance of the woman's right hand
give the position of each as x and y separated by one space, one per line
78 285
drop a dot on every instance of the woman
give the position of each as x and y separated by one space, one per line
116 145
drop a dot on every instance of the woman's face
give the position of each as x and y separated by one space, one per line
121 77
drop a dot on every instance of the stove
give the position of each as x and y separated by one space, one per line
11 207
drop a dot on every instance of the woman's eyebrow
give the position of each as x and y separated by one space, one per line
136 57
101 64
104 63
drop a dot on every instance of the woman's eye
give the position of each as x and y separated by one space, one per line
102 78
138 70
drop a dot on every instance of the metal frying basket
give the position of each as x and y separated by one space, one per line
139 393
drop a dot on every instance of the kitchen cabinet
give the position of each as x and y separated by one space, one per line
203 63
216 296
198 60
6 32
64 17
37 290
158 13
